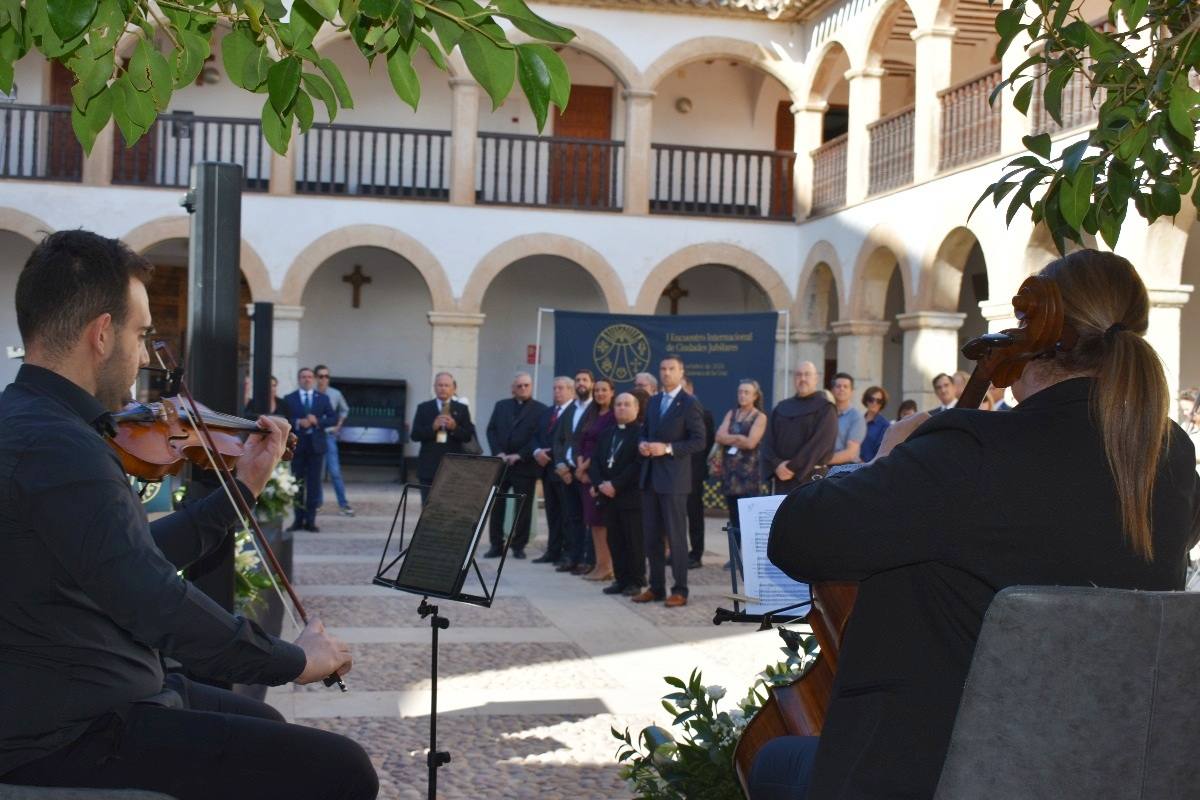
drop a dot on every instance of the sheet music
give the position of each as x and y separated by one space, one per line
764 581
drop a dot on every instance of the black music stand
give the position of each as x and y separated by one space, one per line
440 555
765 621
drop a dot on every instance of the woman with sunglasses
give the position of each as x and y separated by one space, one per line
739 435
875 399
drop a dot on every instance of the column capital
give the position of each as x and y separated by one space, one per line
1170 296
456 319
281 312
996 309
860 327
638 94
463 83
947 32
865 72
940 320
814 337
808 108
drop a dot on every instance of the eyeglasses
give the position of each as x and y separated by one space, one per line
875 399
323 376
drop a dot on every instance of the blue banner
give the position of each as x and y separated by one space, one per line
718 350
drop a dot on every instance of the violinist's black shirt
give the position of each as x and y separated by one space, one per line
89 590
973 502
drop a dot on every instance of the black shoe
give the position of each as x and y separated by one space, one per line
694 563
295 526
312 529
492 553
613 588
544 558
518 553
565 566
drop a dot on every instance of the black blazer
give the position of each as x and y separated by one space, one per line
565 438
311 439
626 468
432 451
543 439
700 457
683 428
511 430
973 502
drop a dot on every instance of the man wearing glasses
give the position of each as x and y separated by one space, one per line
511 435
333 464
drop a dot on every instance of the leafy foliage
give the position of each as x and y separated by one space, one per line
1142 66
129 56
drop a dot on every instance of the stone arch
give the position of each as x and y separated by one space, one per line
878 27
882 248
941 273
822 259
24 225
148 234
542 244
706 47
820 78
603 50
403 245
749 264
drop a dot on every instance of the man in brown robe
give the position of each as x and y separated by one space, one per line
801 433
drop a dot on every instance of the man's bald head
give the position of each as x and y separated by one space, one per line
806 378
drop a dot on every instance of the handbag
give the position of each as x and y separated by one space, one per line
716 461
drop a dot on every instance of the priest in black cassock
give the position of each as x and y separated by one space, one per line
511 434
802 432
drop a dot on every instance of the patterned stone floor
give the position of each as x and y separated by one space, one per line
528 689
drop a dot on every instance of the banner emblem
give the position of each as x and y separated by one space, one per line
620 352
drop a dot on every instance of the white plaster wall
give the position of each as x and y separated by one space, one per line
14 250
29 80
511 305
1189 345
717 289
733 105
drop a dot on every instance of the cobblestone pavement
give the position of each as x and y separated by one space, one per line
528 689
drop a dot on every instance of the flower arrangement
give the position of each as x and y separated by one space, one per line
277 496
700 765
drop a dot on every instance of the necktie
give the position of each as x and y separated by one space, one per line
666 404
553 418
308 401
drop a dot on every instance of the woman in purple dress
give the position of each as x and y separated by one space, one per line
599 420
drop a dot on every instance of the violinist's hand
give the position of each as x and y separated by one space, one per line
262 453
898 431
324 654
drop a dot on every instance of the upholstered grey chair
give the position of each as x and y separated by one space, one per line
1080 694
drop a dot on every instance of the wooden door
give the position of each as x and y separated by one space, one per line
580 174
64 156
781 172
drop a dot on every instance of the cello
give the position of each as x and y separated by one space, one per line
799 708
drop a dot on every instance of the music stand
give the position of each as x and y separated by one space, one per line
441 554
737 615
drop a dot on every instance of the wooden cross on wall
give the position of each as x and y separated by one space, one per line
674 292
357 279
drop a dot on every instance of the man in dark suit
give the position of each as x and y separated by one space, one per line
510 434
575 533
310 414
553 488
695 506
441 425
614 471
674 430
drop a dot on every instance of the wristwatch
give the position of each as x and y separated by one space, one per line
670 450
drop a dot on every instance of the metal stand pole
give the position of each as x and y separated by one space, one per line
436 758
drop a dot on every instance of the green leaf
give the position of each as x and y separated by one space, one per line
1110 227
236 49
93 75
304 22
1075 197
535 82
276 128
1008 25
1072 156
132 110
138 68
88 124
1132 144
69 18
404 78
1052 94
1076 34
283 81
107 26
161 86
328 9
304 111
560 79
1023 96
1060 13
429 46
1166 197
448 31
1134 11
319 88
334 76
190 60
493 66
1039 144
274 9
1184 104
254 71
519 14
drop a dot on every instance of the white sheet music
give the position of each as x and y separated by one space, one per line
764 581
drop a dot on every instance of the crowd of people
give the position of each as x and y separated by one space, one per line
623 474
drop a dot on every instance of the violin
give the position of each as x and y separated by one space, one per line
799 709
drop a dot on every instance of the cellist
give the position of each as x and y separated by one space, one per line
89 591
1087 482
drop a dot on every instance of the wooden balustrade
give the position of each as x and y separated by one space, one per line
891 162
970 125
721 182
164 156
37 143
550 172
829 175
374 161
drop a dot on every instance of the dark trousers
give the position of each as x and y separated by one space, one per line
306 467
626 545
219 745
552 490
665 514
516 484
695 515
782 768
574 531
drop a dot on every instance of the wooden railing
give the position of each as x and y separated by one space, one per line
179 139
891 164
829 175
970 126
721 182
373 161
37 143
550 171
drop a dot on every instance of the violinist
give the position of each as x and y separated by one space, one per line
1086 482
90 595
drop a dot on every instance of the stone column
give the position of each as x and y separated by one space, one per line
808 346
786 358
464 133
639 111
930 347
98 166
934 46
865 87
809 119
283 170
1166 315
860 349
285 346
999 314
1013 124
456 350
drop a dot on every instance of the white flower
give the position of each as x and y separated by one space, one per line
715 692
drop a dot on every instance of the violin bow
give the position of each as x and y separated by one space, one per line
245 514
